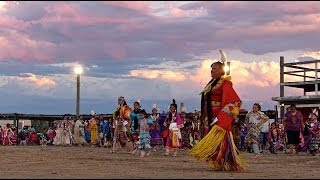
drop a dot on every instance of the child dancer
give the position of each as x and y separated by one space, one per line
134 126
156 140
274 138
105 130
7 134
111 133
313 139
186 130
144 135
23 134
87 133
93 130
243 134
195 130
174 130
120 137
51 135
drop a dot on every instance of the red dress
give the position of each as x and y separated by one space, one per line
217 146
220 95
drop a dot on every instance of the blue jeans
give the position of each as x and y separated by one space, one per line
263 138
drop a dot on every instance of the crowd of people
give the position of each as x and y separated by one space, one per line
130 130
139 132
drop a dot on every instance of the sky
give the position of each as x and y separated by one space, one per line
147 51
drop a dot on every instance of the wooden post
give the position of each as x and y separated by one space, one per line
281 85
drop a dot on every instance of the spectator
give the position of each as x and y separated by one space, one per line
293 124
264 131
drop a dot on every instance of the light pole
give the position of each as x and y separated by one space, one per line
78 70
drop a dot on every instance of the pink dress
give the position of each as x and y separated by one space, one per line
173 140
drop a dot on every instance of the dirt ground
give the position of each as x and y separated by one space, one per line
93 162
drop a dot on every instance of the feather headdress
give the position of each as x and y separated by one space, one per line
223 57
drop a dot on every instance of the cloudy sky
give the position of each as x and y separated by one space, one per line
152 51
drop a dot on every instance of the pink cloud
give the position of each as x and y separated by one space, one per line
20 46
300 7
66 30
12 23
277 28
64 13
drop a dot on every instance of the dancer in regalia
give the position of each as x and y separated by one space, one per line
134 127
144 134
78 132
313 138
94 129
186 130
58 139
175 123
7 135
155 131
120 119
105 130
195 136
217 147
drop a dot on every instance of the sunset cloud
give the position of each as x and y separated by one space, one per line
153 74
153 51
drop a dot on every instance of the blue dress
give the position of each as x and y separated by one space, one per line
105 130
135 118
87 135
144 135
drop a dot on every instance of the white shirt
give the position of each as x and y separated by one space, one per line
265 127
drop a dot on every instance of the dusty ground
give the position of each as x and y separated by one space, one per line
87 162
